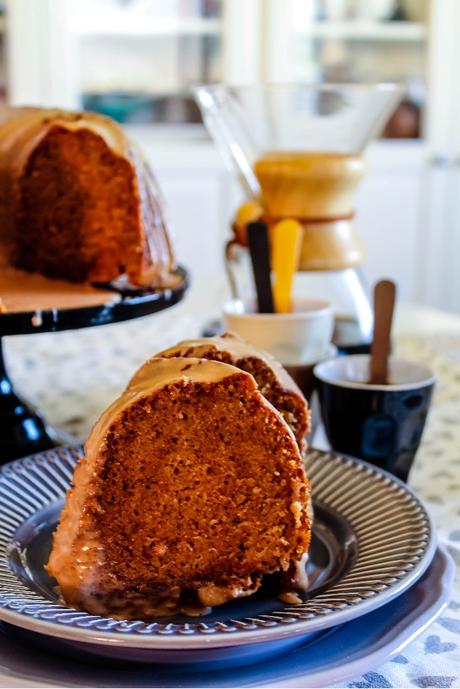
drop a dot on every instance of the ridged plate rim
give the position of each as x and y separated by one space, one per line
336 479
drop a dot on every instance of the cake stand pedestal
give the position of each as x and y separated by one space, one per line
23 430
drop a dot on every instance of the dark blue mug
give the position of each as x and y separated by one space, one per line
382 424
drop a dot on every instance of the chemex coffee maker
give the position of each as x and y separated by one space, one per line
298 153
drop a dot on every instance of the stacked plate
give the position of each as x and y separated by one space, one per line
373 542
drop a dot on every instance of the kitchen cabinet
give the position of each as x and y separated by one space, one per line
138 59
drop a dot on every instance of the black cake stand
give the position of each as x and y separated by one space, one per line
23 431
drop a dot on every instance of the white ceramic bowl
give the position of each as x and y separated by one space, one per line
295 338
374 10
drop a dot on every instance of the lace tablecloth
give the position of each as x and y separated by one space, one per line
73 376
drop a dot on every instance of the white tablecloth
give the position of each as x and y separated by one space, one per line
73 376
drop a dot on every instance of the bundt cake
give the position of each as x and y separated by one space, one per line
192 488
272 379
77 200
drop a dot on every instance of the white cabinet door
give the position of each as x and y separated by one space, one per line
199 208
194 209
389 215
200 197
439 262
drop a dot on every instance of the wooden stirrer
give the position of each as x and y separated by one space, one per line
384 302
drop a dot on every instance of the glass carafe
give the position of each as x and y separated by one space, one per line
297 152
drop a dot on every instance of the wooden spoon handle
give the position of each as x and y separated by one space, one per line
384 302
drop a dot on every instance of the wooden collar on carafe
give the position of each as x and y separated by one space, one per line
272 219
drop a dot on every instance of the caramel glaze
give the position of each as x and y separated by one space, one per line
238 348
22 292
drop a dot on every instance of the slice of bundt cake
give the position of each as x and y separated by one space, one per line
273 380
192 488
77 200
